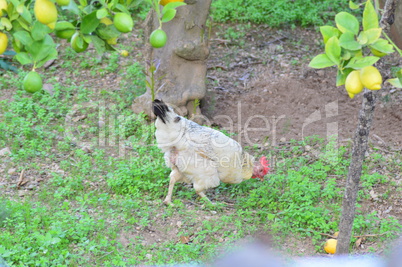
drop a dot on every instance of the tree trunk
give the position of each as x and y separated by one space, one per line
182 61
360 144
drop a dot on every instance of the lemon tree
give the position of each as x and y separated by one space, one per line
354 48
350 49
27 26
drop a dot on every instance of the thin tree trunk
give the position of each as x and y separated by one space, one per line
360 144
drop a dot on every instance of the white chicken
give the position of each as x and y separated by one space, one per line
201 155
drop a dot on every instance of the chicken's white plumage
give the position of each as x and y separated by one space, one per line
197 154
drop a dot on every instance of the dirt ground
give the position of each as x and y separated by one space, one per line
267 84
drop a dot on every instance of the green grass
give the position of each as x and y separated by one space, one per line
277 13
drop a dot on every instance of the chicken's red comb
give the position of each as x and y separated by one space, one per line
265 164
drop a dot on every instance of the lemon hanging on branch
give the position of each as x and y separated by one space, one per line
353 84
32 82
123 22
158 38
3 42
46 12
371 78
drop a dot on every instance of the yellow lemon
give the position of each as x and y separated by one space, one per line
335 235
165 2
124 53
123 22
330 246
52 25
45 11
371 78
32 82
353 84
3 42
3 5
106 21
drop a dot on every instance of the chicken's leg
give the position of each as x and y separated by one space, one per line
175 176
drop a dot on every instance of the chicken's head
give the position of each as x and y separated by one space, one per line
260 168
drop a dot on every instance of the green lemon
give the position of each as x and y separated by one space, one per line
158 38
64 29
32 82
74 43
123 22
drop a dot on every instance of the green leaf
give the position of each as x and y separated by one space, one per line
346 22
361 62
122 8
321 61
24 58
341 76
329 31
39 31
101 13
41 49
99 44
107 32
72 7
382 45
372 35
6 23
173 5
399 75
347 41
51 55
24 37
333 50
168 15
395 82
362 38
89 23
24 12
370 18
353 5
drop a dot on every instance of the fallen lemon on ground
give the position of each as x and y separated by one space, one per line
330 246
165 2
3 42
123 22
3 5
32 82
45 11
371 78
353 84
124 53
158 38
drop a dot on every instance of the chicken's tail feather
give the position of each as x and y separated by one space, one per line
160 110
